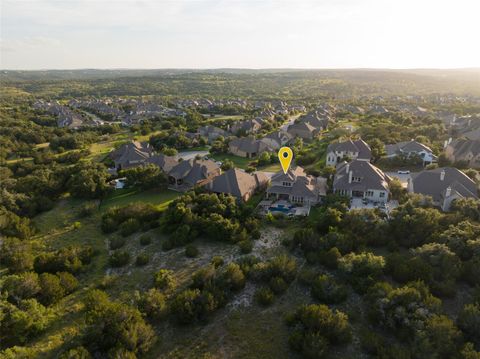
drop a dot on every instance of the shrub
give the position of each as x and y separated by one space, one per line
114 326
246 246
76 353
119 258
23 322
191 251
330 258
469 322
217 261
142 259
164 279
68 282
145 239
317 328
87 209
264 296
278 285
326 290
362 270
154 304
192 305
130 226
16 255
22 286
51 289
116 243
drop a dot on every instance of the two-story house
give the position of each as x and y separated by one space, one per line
361 179
464 150
297 187
409 149
358 149
443 185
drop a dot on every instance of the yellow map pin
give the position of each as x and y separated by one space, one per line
285 155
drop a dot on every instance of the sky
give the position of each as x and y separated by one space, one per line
71 34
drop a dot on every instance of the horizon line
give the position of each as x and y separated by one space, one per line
244 68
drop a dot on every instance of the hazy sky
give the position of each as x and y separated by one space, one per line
46 34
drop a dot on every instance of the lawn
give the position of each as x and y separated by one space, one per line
122 197
239 162
273 167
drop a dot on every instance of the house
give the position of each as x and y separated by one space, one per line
131 154
303 130
361 179
238 183
464 150
409 149
212 132
316 119
166 163
297 187
277 139
247 126
357 149
189 173
248 147
443 185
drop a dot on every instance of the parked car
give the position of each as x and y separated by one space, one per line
403 172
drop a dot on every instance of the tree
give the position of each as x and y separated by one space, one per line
227 165
51 289
440 338
23 322
378 149
22 286
317 328
16 255
114 326
145 177
89 180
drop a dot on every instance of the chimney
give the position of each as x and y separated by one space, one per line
350 175
442 175
347 167
448 192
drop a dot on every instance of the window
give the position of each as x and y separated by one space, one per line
382 194
286 184
369 193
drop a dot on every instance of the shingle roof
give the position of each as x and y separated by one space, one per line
166 163
406 146
192 171
464 146
360 146
429 183
372 178
236 182
250 145
131 150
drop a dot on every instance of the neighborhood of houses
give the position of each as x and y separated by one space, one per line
294 192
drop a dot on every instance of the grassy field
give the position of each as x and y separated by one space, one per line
122 197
